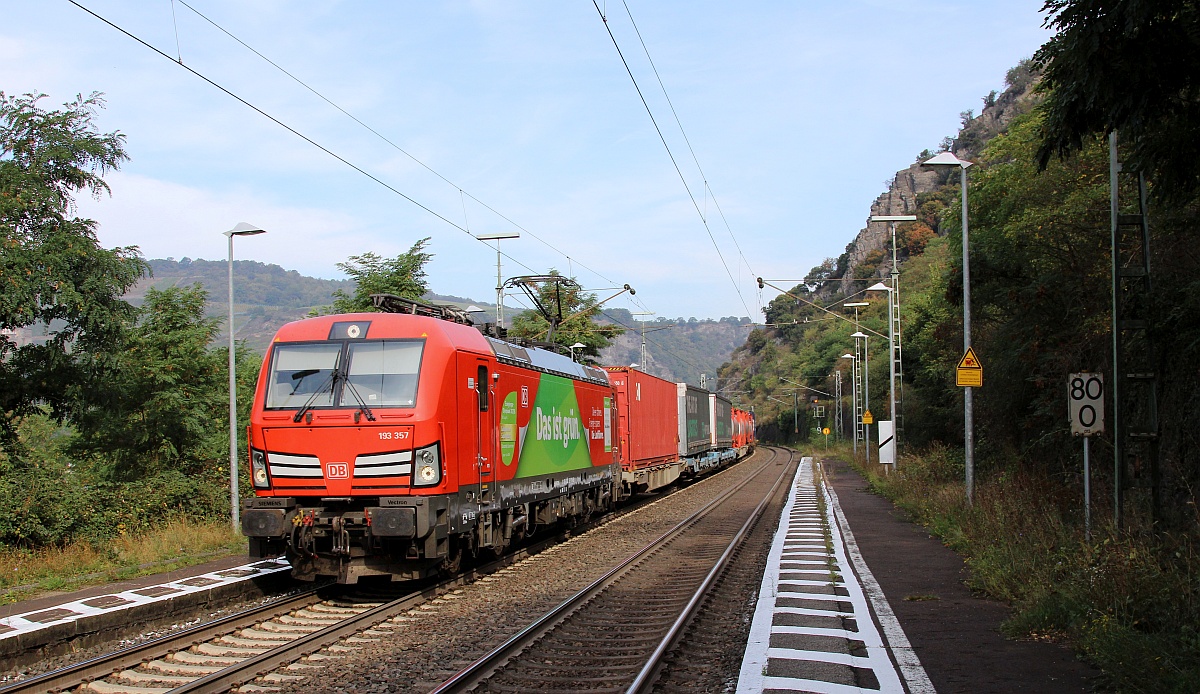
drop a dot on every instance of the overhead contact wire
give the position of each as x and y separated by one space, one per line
403 151
273 119
686 140
670 154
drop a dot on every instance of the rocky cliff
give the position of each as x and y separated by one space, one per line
872 245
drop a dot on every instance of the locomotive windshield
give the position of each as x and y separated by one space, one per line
382 372
303 372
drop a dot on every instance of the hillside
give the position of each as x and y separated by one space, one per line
766 367
677 349
267 296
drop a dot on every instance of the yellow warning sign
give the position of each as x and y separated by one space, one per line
825 431
868 418
970 371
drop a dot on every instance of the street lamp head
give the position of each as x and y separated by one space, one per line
577 345
847 356
634 365
879 287
946 158
859 334
473 309
244 229
497 237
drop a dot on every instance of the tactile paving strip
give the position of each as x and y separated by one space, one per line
812 628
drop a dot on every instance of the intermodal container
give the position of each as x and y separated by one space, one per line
647 418
721 422
695 424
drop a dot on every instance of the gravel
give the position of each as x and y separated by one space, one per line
422 648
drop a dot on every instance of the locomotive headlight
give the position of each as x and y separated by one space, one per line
427 467
258 468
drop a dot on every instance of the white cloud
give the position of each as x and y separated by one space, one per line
166 219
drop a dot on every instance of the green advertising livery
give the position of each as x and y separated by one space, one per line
508 428
555 439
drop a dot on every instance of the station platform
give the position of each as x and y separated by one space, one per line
56 624
814 629
856 598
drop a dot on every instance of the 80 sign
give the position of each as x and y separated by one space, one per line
1085 397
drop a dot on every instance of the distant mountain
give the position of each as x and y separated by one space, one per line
267 296
677 349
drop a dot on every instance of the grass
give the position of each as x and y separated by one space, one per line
1128 601
26 574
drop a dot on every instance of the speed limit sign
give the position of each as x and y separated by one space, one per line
1085 396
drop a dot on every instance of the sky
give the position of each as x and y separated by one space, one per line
481 117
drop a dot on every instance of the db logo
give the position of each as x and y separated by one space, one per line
337 471
524 396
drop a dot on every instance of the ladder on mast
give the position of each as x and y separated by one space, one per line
1135 379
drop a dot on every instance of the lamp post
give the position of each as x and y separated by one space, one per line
499 282
837 401
574 347
242 229
854 395
948 159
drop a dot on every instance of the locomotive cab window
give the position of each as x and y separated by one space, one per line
481 385
383 372
301 372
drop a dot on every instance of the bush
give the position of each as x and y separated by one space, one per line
1130 601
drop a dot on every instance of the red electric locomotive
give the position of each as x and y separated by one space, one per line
394 443
743 432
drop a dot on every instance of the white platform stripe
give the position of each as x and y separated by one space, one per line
910 666
796 551
815 686
21 625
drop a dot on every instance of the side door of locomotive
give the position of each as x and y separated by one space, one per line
476 427
485 430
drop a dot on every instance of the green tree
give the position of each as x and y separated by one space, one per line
1129 66
165 394
403 276
579 310
53 271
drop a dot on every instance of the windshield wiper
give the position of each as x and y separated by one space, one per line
331 382
299 377
362 405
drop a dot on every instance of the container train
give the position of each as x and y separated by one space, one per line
398 443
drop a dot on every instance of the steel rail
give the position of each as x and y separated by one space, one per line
649 673
265 663
109 664
272 660
483 668
105 665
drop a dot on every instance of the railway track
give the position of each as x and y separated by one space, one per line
613 635
225 654
268 641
